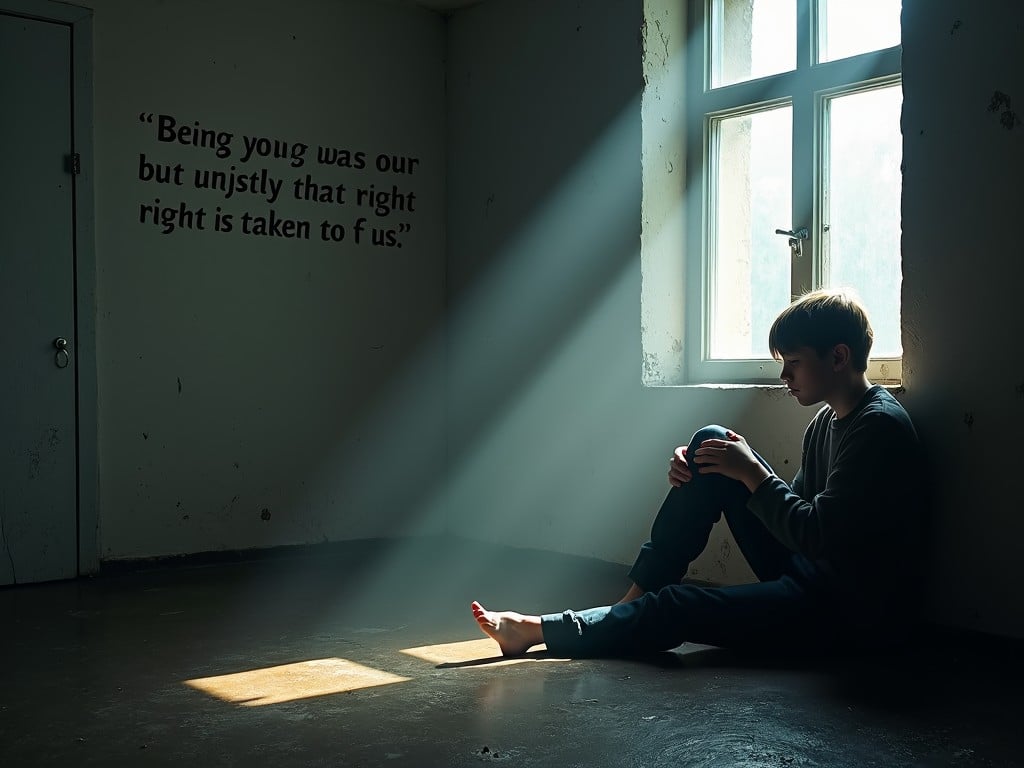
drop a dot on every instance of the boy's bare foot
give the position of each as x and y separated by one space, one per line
514 633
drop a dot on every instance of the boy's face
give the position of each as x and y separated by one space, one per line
810 378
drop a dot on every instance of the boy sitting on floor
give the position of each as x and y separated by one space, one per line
835 552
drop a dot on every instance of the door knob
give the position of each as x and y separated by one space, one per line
63 358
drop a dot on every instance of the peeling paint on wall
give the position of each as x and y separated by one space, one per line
650 366
724 555
1007 117
33 464
46 444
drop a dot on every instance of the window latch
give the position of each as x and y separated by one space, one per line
796 239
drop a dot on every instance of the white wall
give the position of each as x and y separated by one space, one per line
253 390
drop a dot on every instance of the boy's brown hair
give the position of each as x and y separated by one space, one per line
821 320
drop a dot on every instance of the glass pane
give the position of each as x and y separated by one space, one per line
750 264
862 206
752 38
850 27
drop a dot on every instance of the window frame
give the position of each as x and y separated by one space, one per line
806 88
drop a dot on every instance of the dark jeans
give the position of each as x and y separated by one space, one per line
794 604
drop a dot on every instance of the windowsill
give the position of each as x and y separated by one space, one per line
895 388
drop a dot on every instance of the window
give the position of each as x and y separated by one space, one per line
793 124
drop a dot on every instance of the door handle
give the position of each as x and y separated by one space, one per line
62 359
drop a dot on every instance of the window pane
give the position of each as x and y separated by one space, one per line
750 264
862 206
850 27
751 38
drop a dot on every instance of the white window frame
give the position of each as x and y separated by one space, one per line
806 88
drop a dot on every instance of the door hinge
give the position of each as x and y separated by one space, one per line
74 164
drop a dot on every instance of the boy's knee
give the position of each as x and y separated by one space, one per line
710 432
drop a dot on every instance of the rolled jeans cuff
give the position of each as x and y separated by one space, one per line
566 632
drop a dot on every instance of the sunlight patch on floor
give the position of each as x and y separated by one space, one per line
473 653
288 682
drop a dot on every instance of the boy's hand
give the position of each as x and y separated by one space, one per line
678 470
732 458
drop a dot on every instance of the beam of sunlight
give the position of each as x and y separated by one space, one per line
289 682
470 653
542 331
511 367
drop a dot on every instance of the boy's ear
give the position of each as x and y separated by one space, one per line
840 356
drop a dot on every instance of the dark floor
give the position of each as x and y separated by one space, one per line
96 672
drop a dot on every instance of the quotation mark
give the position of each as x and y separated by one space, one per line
404 228
145 117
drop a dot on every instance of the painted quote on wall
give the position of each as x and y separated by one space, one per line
262 173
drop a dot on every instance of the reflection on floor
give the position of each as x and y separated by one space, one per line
365 653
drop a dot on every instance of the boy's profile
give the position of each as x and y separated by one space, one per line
833 551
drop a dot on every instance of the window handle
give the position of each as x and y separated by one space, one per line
796 238
799 234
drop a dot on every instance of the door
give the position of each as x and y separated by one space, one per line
38 434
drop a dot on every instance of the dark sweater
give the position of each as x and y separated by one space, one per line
857 501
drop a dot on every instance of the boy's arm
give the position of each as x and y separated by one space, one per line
798 483
794 522
862 483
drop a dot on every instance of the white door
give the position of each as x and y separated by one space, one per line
38 432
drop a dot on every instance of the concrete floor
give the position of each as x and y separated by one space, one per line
96 674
